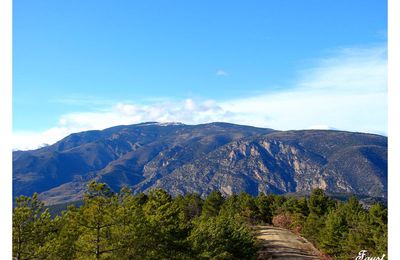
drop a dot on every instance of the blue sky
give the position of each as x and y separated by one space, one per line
80 65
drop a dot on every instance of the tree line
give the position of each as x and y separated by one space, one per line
121 225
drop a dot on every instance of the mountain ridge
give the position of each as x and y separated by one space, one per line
200 158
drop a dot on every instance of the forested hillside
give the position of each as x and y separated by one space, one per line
157 226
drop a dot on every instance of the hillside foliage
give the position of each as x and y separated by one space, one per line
121 225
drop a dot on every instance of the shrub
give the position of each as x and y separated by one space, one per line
282 220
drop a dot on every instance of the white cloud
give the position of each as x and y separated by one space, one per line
221 73
356 70
24 140
347 91
188 111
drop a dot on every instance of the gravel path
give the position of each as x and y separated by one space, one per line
279 243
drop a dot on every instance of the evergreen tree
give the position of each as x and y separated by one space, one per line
62 246
333 234
312 227
378 216
212 204
319 203
157 226
162 213
263 204
276 202
222 237
230 206
248 208
190 207
31 227
133 233
96 222
358 236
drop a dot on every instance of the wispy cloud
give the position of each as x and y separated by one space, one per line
351 69
221 73
346 91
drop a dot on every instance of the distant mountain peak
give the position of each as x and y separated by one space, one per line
160 123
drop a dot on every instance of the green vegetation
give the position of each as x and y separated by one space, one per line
156 226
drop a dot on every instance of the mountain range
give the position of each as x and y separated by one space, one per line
201 158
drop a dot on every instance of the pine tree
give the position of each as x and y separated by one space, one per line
248 208
212 204
96 222
62 246
263 204
312 227
162 213
222 237
333 234
319 203
31 226
133 233
190 207
378 216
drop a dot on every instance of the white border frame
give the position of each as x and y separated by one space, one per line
394 129
6 129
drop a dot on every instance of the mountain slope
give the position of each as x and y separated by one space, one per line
201 158
295 161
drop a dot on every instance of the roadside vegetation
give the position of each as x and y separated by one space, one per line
156 226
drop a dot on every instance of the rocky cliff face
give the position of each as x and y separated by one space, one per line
275 164
181 158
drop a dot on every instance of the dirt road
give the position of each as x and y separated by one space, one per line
279 243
